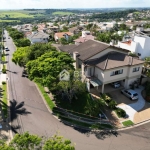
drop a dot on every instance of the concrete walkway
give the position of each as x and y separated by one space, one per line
131 109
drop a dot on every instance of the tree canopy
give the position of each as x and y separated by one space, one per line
46 69
28 141
24 54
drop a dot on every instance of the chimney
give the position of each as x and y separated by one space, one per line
76 63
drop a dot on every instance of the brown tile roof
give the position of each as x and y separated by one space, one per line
66 48
61 34
89 49
83 39
113 60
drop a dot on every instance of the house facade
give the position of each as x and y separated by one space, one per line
102 64
38 37
139 45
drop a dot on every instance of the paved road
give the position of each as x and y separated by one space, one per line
41 122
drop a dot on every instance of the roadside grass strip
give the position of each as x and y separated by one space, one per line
4 99
127 123
46 97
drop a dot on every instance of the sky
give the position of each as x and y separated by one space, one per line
21 4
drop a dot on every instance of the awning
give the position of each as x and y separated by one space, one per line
95 82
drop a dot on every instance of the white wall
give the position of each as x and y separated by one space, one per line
38 40
143 47
99 74
108 78
131 47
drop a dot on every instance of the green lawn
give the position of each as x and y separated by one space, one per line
127 123
4 99
3 58
14 14
62 13
82 106
9 21
45 95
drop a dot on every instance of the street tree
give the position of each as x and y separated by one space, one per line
26 141
46 69
24 54
58 143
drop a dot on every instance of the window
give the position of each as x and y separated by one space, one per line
136 69
113 73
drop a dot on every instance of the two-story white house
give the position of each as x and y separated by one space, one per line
102 64
139 45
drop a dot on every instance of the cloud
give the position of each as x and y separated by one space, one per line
20 4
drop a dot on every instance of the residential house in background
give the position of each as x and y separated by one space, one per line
139 45
59 35
102 64
86 35
75 30
38 37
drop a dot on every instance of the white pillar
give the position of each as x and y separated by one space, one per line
102 88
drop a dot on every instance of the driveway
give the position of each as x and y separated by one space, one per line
132 109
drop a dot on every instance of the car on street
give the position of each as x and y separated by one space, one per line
24 73
133 95
6 48
116 84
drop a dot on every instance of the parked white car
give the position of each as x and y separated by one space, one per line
130 94
116 84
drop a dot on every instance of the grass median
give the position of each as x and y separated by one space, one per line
50 103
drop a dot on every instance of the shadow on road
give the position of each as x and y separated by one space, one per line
16 109
100 134
12 71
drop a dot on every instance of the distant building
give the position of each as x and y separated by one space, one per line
60 35
38 37
139 45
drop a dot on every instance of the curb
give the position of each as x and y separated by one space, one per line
134 126
46 103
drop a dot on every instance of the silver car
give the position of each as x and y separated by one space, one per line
131 94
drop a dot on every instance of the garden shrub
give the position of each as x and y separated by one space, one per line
112 104
4 70
120 112
3 82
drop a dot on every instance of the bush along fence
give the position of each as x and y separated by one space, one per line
79 119
112 104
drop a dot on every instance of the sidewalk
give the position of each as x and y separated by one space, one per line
5 130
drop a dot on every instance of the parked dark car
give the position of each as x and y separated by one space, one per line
24 73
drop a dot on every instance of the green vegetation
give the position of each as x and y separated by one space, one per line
147 90
4 98
5 20
112 15
46 97
133 54
120 112
62 13
14 14
28 141
127 123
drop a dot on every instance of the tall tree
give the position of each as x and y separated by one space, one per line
46 69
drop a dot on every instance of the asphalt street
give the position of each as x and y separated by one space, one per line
40 121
